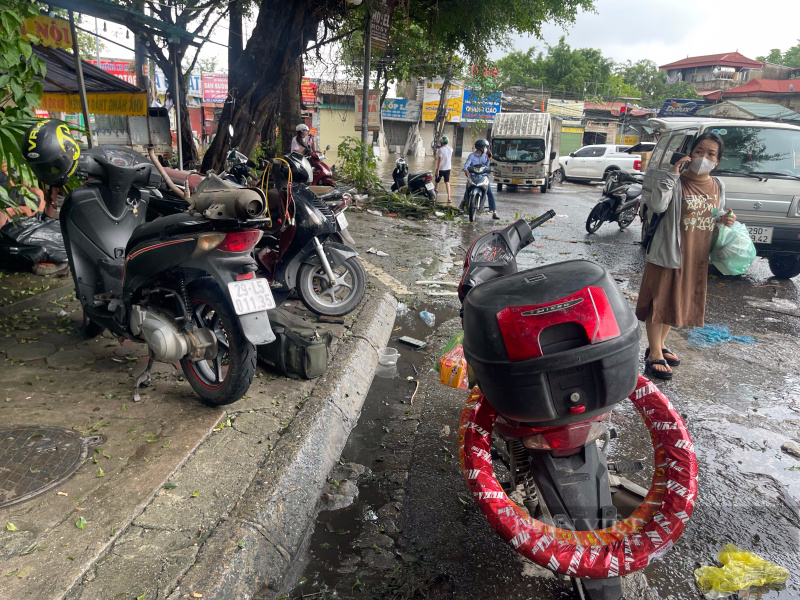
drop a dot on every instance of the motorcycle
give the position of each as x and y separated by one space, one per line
183 284
322 173
297 252
619 202
552 349
477 190
415 183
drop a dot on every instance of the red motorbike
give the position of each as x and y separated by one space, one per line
552 350
322 172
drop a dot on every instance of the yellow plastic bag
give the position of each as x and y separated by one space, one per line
741 570
452 365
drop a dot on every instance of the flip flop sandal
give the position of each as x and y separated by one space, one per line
672 362
657 373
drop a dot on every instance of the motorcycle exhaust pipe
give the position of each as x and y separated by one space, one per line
247 203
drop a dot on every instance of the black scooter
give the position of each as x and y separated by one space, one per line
415 183
183 284
619 203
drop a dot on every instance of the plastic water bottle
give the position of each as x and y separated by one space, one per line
428 317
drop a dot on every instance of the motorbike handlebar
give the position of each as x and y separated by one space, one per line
541 220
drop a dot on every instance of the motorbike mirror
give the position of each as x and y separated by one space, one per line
552 156
230 130
328 147
251 164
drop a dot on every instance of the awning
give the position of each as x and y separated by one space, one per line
105 94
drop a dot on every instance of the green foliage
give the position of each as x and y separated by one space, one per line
350 153
20 91
519 68
789 58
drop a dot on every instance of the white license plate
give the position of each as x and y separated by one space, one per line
252 295
429 186
341 220
760 235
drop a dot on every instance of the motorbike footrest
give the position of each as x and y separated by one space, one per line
626 466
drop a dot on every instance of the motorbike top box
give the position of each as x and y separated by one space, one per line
552 345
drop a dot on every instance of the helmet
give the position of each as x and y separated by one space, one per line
481 144
301 127
444 139
50 151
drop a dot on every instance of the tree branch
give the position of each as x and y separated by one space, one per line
333 39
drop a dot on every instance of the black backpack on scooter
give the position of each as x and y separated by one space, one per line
299 349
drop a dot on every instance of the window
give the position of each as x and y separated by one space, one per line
658 151
763 149
525 150
674 144
598 151
585 151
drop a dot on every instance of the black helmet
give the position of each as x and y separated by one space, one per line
50 151
481 144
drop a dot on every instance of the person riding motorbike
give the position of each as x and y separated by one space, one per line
481 156
302 143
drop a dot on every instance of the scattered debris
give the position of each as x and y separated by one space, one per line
791 448
428 317
419 344
377 213
711 335
740 571
377 252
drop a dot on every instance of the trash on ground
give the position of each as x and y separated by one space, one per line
402 308
442 293
412 342
428 317
30 240
377 252
741 570
791 448
377 213
332 320
452 365
388 356
711 335
438 214
434 282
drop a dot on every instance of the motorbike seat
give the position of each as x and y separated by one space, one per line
180 178
162 227
420 174
633 191
321 190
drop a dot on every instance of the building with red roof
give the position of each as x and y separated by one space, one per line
785 92
715 72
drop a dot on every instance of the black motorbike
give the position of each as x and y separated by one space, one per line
183 284
619 203
414 183
477 190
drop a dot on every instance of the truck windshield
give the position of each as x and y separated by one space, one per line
760 149
510 150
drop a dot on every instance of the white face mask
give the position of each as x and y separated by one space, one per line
701 165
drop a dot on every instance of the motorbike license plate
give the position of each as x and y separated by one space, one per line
342 221
516 181
760 235
252 295
429 186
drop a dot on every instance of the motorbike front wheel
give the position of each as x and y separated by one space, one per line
627 217
227 377
596 217
472 207
319 296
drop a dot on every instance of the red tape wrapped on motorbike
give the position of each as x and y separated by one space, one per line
627 546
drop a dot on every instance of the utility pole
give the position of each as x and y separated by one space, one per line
81 83
365 90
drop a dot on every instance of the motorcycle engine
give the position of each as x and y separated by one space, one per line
166 341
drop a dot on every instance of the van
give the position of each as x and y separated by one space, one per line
761 171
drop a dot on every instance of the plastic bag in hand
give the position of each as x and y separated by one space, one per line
734 251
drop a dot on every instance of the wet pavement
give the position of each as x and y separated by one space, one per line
400 522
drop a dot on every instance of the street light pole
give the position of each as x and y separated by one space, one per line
365 91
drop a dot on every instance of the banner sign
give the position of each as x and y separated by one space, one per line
481 107
373 114
99 104
51 31
401 109
215 87
195 85
455 100
380 24
308 91
673 107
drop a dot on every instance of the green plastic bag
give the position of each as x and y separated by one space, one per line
733 252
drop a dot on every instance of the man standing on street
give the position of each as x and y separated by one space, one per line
443 166
481 156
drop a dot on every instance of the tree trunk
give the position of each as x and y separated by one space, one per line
278 40
291 105
235 39
190 156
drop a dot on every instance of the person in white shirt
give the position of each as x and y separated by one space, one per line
301 143
444 165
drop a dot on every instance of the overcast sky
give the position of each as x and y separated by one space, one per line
668 31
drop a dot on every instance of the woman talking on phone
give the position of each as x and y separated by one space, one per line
673 290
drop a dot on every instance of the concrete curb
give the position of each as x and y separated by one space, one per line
255 546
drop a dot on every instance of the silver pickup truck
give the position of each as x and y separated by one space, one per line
593 163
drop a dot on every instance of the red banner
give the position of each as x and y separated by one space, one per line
215 87
308 91
124 69
373 111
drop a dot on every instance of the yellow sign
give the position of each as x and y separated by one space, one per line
99 104
629 140
455 100
50 31
572 130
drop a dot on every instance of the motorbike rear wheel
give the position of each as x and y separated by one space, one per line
227 377
596 217
321 298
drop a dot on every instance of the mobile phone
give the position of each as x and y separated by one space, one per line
676 156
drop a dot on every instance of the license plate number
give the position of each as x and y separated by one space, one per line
342 221
516 181
760 235
429 186
251 296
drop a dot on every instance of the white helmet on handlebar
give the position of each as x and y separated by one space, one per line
301 127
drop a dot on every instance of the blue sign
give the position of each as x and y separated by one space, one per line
401 109
481 107
673 107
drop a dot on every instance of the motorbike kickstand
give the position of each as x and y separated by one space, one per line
144 379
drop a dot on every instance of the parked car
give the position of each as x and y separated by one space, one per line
592 163
761 171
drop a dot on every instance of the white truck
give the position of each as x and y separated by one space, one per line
592 163
525 148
